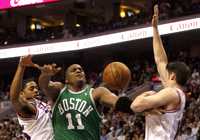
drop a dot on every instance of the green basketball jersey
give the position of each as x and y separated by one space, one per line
75 116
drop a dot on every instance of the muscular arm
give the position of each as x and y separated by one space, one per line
50 89
105 97
22 107
158 49
152 100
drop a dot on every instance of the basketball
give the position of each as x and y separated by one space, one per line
116 76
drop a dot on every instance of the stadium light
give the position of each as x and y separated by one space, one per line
32 27
113 38
122 14
77 25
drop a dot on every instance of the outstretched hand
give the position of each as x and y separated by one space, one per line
26 61
50 69
155 16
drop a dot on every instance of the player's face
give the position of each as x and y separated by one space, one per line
75 74
30 90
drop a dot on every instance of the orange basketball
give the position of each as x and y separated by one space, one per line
116 75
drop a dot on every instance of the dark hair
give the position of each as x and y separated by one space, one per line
25 81
181 70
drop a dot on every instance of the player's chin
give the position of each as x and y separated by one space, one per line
81 81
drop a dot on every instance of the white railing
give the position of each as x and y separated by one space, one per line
102 40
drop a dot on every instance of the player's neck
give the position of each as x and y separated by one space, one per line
173 85
76 88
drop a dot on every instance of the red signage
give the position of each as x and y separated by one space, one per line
5 4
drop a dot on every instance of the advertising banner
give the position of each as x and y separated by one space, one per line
5 4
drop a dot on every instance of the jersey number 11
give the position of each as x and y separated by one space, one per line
70 123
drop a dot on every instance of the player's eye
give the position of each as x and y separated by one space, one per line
31 88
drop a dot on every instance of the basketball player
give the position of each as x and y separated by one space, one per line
170 101
75 116
33 115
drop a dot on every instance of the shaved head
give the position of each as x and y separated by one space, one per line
75 75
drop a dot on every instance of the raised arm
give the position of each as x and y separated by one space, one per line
21 105
158 49
50 89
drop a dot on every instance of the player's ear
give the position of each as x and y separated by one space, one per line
22 93
172 76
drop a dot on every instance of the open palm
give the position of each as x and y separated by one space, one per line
26 61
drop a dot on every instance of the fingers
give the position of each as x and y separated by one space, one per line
155 16
50 69
26 61
29 56
26 57
156 10
37 66
55 68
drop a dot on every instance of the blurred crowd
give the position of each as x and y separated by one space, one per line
169 9
10 129
121 126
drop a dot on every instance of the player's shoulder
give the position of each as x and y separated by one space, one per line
171 91
100 90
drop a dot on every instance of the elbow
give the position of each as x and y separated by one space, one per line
14 95
13 99
137 107
158 61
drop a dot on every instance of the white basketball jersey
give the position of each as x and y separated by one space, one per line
39 128
164 126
